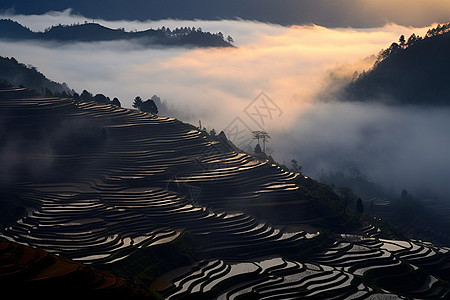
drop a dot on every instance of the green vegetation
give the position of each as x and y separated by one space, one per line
93 32
148 105
408 72
28 76
99 98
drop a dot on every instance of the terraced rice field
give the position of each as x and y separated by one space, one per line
432 224
100 183
352 267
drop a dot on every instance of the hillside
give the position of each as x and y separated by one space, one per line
409 72
159 202
28 272
19 74
93 32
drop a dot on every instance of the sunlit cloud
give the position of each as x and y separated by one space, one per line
288 63
217 86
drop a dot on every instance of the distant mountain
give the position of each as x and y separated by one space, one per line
413 71
93 32
20 74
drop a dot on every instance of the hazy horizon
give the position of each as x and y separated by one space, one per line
337 13
290 65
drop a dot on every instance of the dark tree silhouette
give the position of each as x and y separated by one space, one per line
137 103
347 196
145 106
100 98
405 195
86 96
265 136
402 41
257 135
295 167
261 135
412 40
48 92
150 106
116 102
76 96
359 206
258 149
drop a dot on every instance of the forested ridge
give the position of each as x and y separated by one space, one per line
94 32
410 71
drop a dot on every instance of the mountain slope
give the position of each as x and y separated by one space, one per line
82 166
413 73
19 74
140 195
28 272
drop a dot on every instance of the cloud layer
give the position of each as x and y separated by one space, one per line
222 88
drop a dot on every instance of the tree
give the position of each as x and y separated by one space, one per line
86 96
411 40
402 41
405 195
116 102
295 167
257 135
48 92
359 206
257 149
265 136
76 96
230 39
156 100
100 98
137 103
347 196
150 107
145 106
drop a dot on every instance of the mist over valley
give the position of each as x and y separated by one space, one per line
231 158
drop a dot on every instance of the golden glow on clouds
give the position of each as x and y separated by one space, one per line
289 64
216 85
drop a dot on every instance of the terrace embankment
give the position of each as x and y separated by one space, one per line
140 195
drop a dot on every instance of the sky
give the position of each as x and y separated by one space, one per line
277 79
328 13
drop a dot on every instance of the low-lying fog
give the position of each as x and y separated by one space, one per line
275 80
